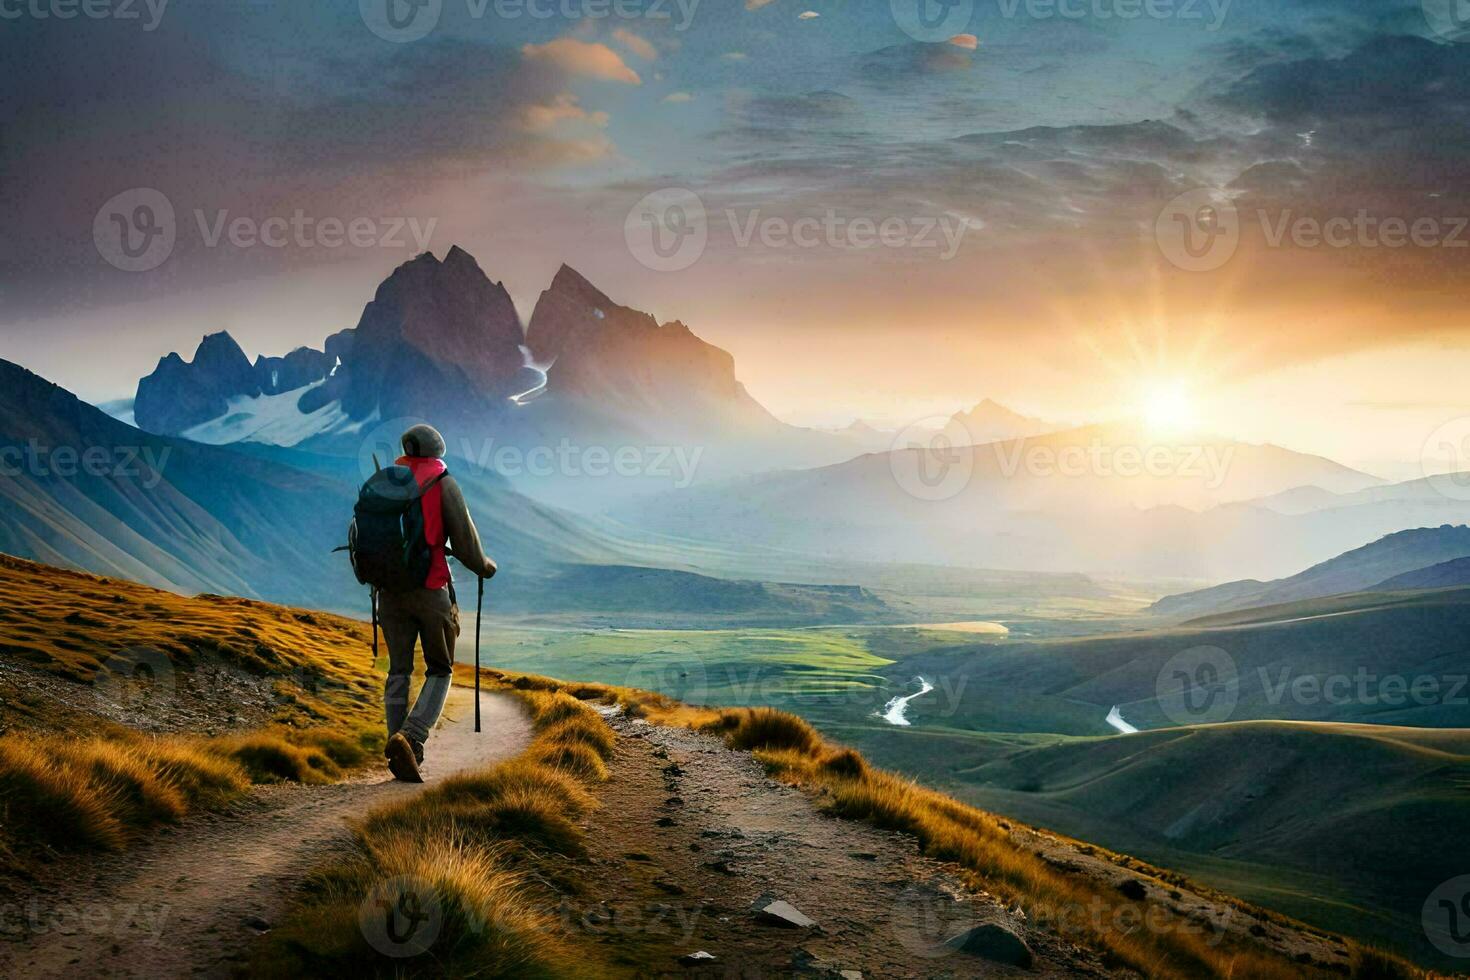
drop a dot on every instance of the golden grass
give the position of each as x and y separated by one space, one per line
1079 908
62 793
71 623
457 840
477 919
103 792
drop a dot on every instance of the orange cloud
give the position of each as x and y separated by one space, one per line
590 60
967 41
639 46
539 118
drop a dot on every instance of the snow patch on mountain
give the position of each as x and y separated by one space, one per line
275 420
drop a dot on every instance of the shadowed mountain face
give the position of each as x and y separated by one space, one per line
616 362
88 491
1391 558
438 337
441 341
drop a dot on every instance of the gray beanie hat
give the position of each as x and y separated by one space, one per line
424 441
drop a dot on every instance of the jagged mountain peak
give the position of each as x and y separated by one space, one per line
569 282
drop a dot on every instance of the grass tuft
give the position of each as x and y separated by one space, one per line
270 758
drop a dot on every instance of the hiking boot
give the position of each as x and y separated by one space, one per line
402 761
418 750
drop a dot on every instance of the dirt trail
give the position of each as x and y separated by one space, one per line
691 836
189 902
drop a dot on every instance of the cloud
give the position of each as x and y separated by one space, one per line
639 46
757 4
808 15
544 117
734 56
967 41
678 97
588 59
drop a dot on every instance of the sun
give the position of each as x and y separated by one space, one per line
1167 407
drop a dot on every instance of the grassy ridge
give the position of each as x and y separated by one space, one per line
59 792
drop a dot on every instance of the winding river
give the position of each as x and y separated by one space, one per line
893 711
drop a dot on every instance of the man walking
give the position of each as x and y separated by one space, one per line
427 615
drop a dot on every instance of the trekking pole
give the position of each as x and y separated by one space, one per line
479 605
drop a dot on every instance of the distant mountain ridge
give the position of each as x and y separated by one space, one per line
989 421
1394 558
437 336
1081 499
441 341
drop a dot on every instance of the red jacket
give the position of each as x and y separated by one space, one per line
424 470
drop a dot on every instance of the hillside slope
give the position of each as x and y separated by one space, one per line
1350 658
1355 571
691 832
1241 805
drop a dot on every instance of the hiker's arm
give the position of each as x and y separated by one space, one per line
464 540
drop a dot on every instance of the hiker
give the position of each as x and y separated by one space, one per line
430 614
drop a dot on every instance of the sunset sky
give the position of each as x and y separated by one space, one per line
1049 140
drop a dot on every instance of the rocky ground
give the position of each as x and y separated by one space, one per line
704 866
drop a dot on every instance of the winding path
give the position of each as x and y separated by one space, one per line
187 902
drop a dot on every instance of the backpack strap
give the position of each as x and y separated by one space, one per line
433 481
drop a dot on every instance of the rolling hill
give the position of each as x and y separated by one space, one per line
1349 658
1452 574
1280 813
1358 570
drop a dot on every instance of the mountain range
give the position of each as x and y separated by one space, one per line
1103 499
1426 557
441 341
